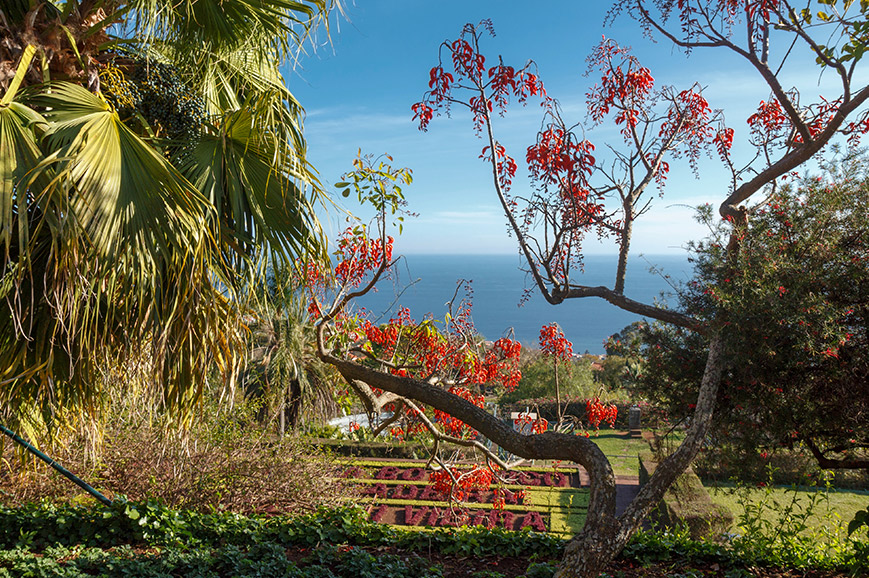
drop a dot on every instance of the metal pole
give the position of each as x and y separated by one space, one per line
65 472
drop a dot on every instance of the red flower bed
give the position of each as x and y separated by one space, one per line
403 483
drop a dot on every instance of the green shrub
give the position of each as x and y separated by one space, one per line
538 381
147 539
777 531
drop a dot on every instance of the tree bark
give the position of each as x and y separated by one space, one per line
594 547
293 405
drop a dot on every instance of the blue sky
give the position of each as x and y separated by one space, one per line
358 92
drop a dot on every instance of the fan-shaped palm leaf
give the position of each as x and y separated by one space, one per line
260 202
125 192
216 25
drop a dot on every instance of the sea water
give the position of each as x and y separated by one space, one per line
426 283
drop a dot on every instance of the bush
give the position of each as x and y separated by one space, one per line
788 466
223 461
149 539
538 380
652 417
791 309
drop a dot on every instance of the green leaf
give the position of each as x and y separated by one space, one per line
244 177
130 199
20 72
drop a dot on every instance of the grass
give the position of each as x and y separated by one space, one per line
621 450
834 507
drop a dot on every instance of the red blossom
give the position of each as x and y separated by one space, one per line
625 86
503 83
769 119
553 343
358 255
424 113
597 412
504 165
440 83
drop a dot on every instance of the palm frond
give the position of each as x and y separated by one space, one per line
125 192
19 153
254 190
215 25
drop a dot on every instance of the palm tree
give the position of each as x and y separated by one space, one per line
283 368
151 160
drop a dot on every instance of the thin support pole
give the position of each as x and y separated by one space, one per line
65 472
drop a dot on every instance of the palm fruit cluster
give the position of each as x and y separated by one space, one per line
154 92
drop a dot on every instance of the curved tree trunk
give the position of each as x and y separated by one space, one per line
603 535
596 545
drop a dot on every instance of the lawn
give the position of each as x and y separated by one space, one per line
776 507
622 450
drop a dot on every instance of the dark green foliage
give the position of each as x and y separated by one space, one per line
541 570
350 562
151 524
794 312
148 540
649 547
479 541
487 574
258 561
861 519
184 543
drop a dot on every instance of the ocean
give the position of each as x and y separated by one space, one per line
425 283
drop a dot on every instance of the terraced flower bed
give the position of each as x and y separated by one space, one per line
541 499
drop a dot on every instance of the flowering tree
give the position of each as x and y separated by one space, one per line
573 194
556 346
444 354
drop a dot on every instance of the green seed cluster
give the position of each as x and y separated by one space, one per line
155 92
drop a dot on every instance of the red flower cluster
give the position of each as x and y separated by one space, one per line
557 155
597 412
497 84
769 120
501 364
477 478
553 343
358 255
451 425
424 113
538 426
688 123
504 164
625 86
